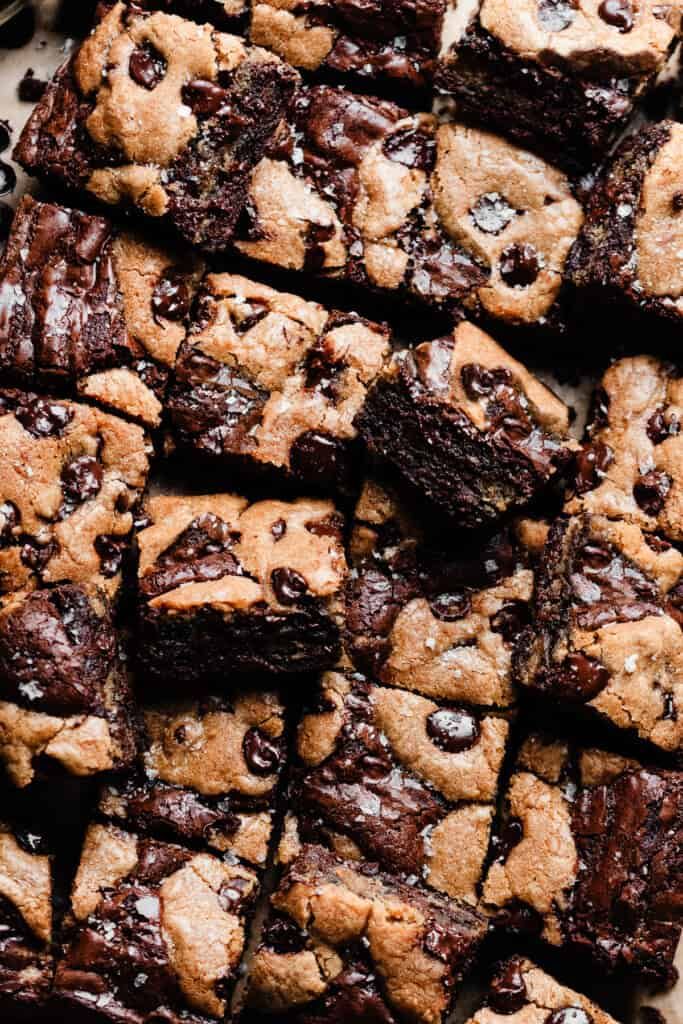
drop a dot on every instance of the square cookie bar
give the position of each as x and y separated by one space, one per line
155 932
70 478
521 991
26 900
88 309
560 75
589 858
628 251
467 426
160 115
360 189
208 775
630 467
398 42
270 381
347 943
225 586
430 616
401 780
65 701
606 635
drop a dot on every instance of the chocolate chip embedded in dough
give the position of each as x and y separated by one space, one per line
619 14
508 993
81 479
584 677
650 491
289 585
453 729
260 752
520 265
591 464
147 67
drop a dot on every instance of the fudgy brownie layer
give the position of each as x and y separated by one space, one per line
162 115
588 856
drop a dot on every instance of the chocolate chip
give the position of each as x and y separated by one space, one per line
556 15
450 607
36 557
520 265
233 893
288 585
569 1015
110 551
659 428
170 298
510 620
206 98
279 529
520 918
677 201
260 752
147 67
674 604
9 520
510 836
8 179
492 213
453 729
316 236
619 14
591 464
43 418
283 936
322 458
584 677
508 992
478 381
432 364
412 148
650 491
81 479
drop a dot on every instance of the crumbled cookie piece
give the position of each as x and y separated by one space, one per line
588 856
606 636
389 775
269 380
226 586
208 775
70 478
88 309
358 188
64 694
155 931
26 897
628 253
467 426
162 115
430 616
562 76
394 41
345 942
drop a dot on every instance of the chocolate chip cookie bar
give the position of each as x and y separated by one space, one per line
360 189
26 899
630 466
521 991
559 75
207 776
90 310
70 479
589 858
155 931
397 42
431 616
345 942
64 695
390 776
606 637
269 381
160 115
467 426
225 586
628 253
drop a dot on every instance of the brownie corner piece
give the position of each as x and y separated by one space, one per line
627 252
270 381
605 638
562 78
161 115
26 921
587 856
154 930
70 479
346 942
467 426
91 310
208 774
227 586
65 699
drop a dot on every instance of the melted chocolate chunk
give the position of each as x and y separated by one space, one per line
510 836
569 1015
283 935
520 265
171 298
650 491
659 427
261 753
279 529
478 381
453 729
9 520
431 364
147 67
36 556
353 995
591 463
619 14
584 677
556 15
207 98
492 213
411 147
111 551
318 456
43 418
233 894
289 586
508 992
607 588
511 620
81 480
450 607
